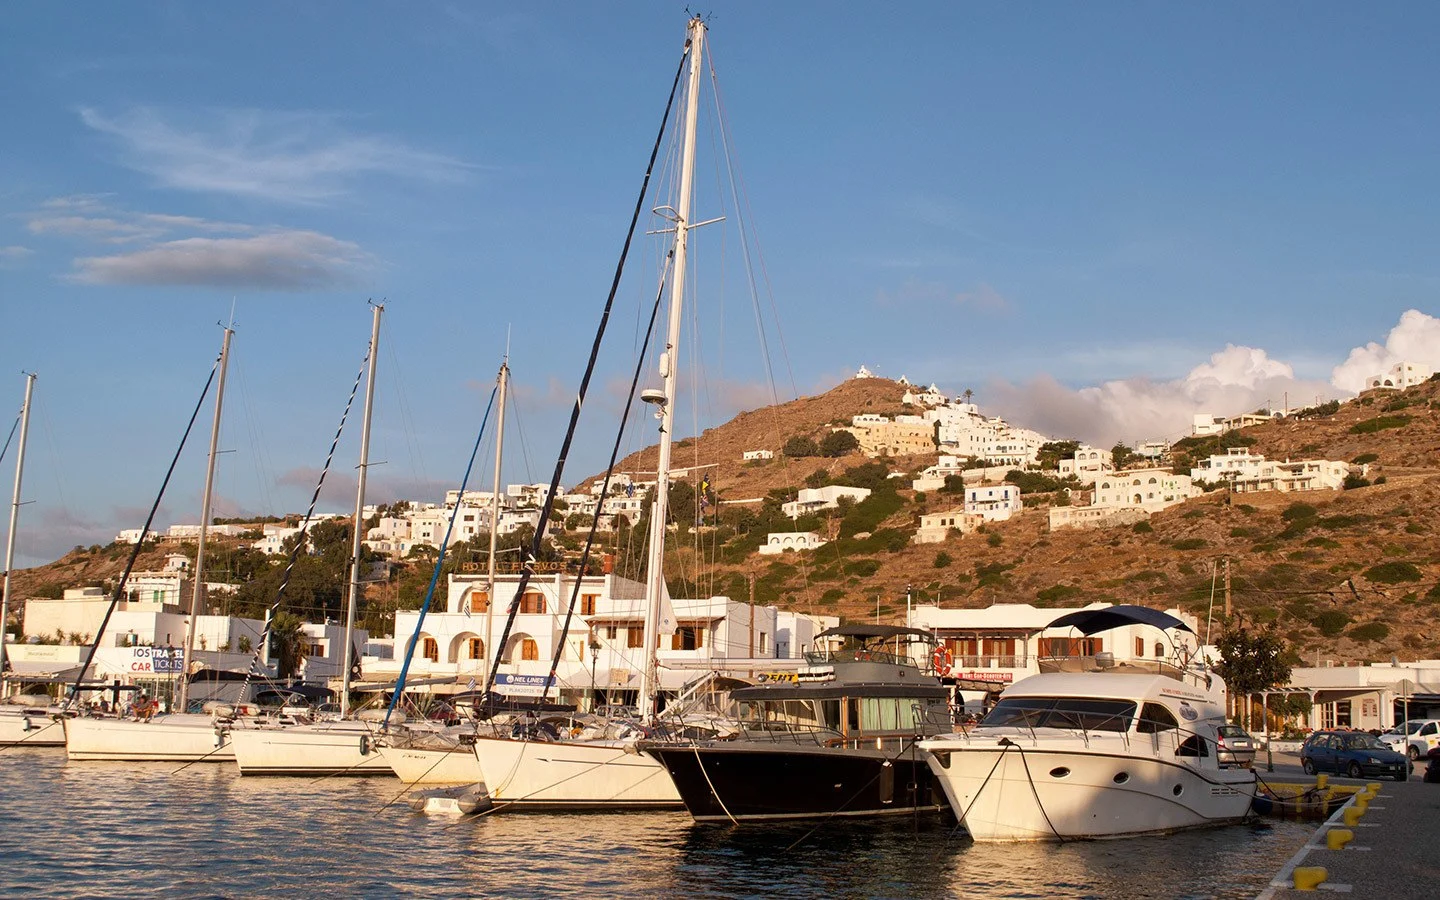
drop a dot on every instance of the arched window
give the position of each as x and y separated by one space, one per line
1105 486
430 648
1159 650
476 648
1152 480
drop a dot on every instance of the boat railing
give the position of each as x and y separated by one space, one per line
787 732
1106 662
858 654
990 661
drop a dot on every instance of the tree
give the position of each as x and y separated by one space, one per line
1122 455
288 647
1251 660
1051 452
801 446
838 443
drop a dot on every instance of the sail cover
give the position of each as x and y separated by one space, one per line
1091 621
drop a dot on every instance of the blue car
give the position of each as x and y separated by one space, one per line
1354 754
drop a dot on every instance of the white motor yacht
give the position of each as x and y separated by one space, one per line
1090 749
24 725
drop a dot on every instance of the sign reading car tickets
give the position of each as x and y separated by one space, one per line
156 660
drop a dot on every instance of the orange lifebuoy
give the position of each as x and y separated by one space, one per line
943 660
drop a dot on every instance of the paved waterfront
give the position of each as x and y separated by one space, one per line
1394 852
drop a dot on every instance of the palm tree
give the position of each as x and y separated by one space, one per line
968 394
287 644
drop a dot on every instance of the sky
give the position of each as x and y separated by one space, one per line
1101 218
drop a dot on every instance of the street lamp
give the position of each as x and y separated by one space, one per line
594 661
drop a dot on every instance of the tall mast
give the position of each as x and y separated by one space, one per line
15 513
655 574
204 525
358 544
504 381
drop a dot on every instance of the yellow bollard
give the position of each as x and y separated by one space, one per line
1362 802
1337 838
1308 878
1352 816
1373 787
1322 781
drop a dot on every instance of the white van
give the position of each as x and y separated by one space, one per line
1417 738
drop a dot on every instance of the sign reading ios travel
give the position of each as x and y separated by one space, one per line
522 685
156 660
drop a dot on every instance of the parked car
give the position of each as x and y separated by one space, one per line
1234 747
1352 753
1416 737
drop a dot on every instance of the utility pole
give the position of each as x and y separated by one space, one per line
1228 608
751 653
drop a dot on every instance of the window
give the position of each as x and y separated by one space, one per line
635 637
587 604
1155 718
477 648
529 649
688 637
1063 712
316 650
430 649
1139 647
1159 650
611 632
533 603
764 643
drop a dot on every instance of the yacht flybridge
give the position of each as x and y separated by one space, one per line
1093 749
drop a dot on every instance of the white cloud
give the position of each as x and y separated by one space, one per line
1234 380
13 255
983 298
282 260
1415 339
94 227
296 157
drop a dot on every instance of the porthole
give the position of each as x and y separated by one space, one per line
1059 772
1121 777
1178 789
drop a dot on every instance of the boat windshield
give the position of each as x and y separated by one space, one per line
1086 713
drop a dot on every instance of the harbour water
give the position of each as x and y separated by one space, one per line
110 830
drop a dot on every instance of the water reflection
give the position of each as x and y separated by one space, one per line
116 829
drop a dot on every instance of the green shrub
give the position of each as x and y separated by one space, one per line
1393 572
1056 594
1380 423
1190 544
1142 527
801 446
1415 528
1320 541
1194 514
1364 458
942 559
1299 511
1355 481
1239 532
992 574
832 596
862 567
1331 622
993 540
1370 631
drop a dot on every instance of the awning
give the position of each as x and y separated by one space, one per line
41 669
1092 621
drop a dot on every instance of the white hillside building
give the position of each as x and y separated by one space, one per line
749 455
1400 376
810 500
937 527
780 541
1087 464
1125 497
993 502
1248 473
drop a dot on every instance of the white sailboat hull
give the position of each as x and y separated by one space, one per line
345 748
1015 793
180 737
30 727
419 766
573 775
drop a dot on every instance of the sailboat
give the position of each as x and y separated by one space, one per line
21 723
344 746
609 773
177 736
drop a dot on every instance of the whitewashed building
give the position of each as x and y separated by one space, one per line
993 502
1400 376
935 528
749 455
809 500
1087 464
777 542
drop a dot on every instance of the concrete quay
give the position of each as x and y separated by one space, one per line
1393 851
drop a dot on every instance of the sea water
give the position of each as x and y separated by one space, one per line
134 830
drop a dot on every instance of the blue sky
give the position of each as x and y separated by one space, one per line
1064 208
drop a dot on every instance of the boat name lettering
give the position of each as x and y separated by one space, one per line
765 677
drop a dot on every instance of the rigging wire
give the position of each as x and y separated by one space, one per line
604 491
302 538
135 553
527 569
413 447
439 564
13 426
